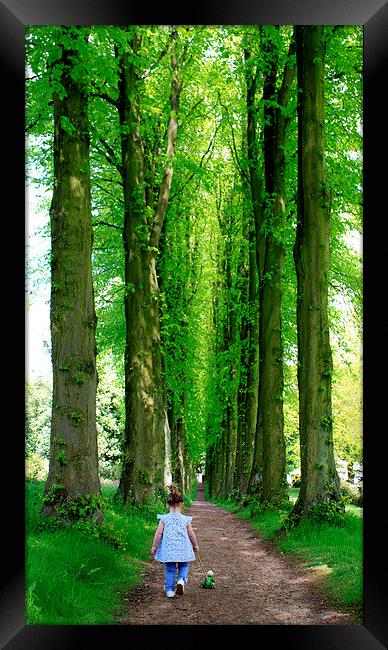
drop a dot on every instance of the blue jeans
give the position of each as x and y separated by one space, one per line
183 572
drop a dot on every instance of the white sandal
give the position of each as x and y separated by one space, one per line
180 587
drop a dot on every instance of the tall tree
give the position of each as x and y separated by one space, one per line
178 263
175 271
249 331
270 423
248 384
229 336
319 481
256 191
147 433
73 484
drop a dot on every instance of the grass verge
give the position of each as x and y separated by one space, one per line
78 575
332 552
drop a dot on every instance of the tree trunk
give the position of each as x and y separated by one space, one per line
319 480
255 182
248 386
242 387
213 451
143 458
255 177
72 489
270 423
178 437
146 463
251 395
230 334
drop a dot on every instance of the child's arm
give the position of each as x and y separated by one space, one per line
193 538
157 538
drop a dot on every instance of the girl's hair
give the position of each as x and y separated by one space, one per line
174 496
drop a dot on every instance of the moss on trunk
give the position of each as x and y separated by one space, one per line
319 479
73 470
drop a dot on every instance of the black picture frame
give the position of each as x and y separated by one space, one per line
373 15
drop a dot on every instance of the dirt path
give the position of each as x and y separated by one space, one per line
254 584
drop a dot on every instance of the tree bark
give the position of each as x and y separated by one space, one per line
178 438
146 463
230 333
215 452
248 384
256 189
270 421
251 395
72 489
255 177
319 479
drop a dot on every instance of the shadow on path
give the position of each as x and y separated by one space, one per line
254 584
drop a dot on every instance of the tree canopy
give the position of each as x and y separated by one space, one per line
194 138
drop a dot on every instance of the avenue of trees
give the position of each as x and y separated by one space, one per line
206 183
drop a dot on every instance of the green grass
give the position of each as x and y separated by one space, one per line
74 576
335 552
332 552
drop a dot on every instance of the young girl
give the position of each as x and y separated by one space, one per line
172 545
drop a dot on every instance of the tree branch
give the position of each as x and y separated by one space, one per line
30 126
110 155
242 171
103 189
158 60
111 180
35 76
165 186
105 97
106 223
193 108
174 194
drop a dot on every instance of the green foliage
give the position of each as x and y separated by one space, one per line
78 574
82 507
55 493
203 256
61 457
347 410
38 418
109 418
257 506
67 125
77 416
332 512
109 423
144 477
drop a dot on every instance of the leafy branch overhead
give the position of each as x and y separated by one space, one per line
183 163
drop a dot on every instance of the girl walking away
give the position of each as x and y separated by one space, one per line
174 543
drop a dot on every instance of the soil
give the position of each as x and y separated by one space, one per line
254 582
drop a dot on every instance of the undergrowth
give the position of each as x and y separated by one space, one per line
78 574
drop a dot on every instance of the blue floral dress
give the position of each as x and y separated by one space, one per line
175 545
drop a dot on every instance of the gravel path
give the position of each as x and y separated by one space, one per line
254 583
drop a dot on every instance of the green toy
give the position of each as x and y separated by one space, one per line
208 583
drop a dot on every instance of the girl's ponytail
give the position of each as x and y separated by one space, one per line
174 495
